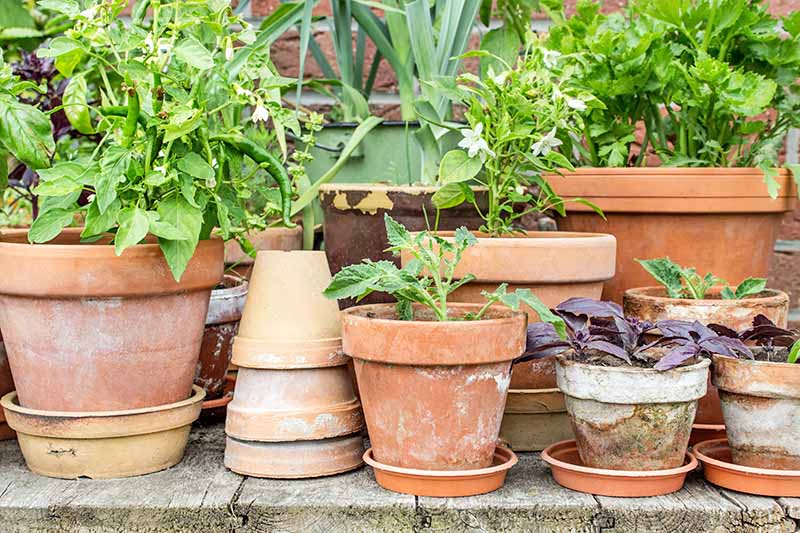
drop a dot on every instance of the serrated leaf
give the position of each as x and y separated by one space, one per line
750 287
665 272
397 235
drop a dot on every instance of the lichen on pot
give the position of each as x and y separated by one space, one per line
760 403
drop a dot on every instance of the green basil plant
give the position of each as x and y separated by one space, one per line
182 113
692 83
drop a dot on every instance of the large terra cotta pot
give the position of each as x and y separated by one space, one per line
760 403
433 392
86 330
652 304
629 418
719 220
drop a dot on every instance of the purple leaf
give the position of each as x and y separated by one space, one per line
675 328
590 307
677 356
723 331
609 348
725 346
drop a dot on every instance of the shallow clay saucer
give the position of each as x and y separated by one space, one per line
719 469
444 483
569 472
703 432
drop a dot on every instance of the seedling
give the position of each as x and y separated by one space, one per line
685 282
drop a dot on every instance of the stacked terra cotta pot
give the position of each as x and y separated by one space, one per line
104 351
295 413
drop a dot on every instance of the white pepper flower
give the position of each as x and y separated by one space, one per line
546 144
550 57
474 144
260 114
576 104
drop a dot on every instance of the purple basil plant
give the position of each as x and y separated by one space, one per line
596 326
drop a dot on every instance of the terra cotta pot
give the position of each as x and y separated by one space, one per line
86 330
719 220
760 403
268 239
354 227
433 392
222 322
628 418
652 304
6 386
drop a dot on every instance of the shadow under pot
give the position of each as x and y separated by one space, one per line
652 304
760 403
87 330
433 392
631 418
6 386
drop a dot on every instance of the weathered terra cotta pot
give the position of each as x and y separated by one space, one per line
6 386
103 444
761 406
433 392
628 418
556 266
719 220
86 330
269 239
222 321
355 230
652 304
294 396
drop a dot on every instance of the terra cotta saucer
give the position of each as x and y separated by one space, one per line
719 469
444 483
569 471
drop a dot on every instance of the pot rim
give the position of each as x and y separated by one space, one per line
536 237
629 369
736 468
10 402
646 171
413 190
506 454
643 293
357 312
756 362
606 472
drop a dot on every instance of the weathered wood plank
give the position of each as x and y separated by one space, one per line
344 503
760 514
530 501
192 496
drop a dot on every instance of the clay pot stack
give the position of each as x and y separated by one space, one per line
295 413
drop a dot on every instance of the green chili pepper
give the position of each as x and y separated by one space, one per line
270 164
139 12
122 111
132 117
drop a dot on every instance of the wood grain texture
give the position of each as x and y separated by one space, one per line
200 495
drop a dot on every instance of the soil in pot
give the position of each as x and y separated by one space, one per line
652 304
459 372
355 230
691 215
222 322
761 404
86 330
629 417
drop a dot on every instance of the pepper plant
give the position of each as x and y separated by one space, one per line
712 82
170 95
519 118
685 282
428 278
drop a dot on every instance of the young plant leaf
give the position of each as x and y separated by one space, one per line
750 287
665 272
